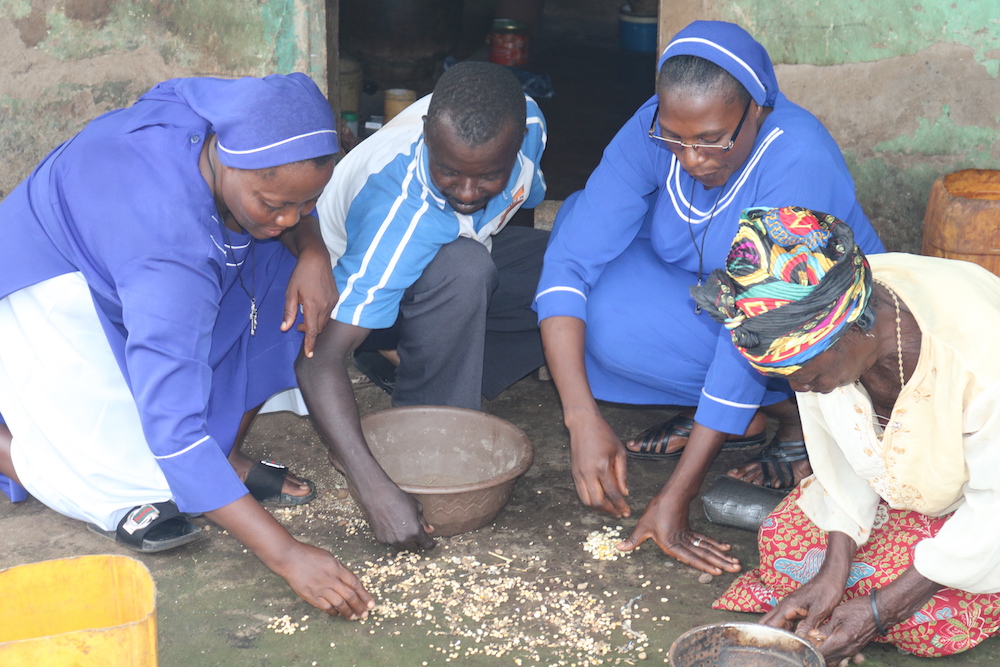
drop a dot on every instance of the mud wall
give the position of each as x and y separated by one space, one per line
66 61
908 88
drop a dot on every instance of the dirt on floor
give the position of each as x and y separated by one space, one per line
522 591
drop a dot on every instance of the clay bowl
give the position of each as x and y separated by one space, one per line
742 645
459 464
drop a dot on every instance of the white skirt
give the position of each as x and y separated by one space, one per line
78 445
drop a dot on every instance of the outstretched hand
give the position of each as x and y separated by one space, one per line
322 581
314 574
667 525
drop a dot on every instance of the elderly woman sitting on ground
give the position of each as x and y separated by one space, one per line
896 536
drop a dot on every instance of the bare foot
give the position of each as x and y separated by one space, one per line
242 463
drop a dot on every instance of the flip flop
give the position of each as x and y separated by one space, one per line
377 368
151 528
779 455
264 483
654 441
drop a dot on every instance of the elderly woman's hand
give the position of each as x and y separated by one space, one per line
807 607
811 604
848 630
856 622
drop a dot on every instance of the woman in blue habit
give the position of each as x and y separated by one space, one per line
153 270
657 216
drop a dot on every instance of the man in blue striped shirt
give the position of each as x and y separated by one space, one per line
417 220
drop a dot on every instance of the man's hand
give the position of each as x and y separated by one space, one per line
396 519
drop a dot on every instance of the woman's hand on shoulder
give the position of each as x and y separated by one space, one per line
311 287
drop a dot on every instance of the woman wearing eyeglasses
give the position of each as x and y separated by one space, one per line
657 216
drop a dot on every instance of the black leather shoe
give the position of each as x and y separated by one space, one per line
377 368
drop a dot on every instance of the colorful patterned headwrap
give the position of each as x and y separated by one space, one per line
794 282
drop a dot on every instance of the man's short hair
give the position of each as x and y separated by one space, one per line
480 99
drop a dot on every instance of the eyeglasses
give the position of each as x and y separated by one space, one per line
704 149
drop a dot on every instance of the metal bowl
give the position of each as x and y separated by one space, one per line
459 464
742 645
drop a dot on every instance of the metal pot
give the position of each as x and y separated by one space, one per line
742 645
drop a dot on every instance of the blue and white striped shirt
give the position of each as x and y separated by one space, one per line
383 219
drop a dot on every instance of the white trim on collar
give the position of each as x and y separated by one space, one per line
682 205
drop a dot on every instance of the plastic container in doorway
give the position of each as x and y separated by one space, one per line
636 32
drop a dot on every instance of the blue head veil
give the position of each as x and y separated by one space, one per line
731 48
261 123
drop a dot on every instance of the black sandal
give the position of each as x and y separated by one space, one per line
265 480
653 442
779 455
151 528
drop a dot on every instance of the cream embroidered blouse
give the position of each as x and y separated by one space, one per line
940 451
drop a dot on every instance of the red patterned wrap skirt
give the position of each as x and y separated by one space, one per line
792 549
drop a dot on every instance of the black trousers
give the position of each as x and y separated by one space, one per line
466 326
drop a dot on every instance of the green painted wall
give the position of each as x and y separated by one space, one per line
235 36
832 33
70 60
930 66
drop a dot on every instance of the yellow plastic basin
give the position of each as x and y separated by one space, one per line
91 610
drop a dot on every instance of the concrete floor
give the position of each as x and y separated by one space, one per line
215 601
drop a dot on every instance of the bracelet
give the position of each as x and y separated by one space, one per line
878 619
